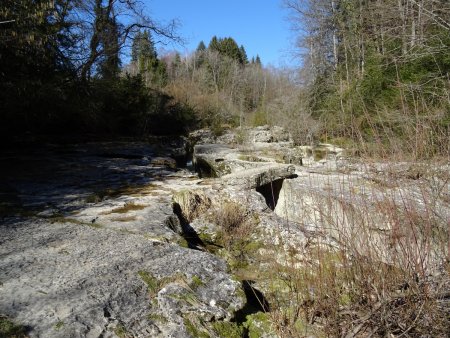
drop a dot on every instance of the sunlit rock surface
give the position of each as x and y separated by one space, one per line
121 239
88 246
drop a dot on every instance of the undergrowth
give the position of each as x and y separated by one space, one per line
379 263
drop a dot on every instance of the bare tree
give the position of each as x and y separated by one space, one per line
92 18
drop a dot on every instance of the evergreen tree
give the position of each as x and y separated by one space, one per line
243 55
145 58
228 47
109 65
200 54
258 61
201 47
35 41
214 44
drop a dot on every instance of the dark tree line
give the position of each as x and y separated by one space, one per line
61 69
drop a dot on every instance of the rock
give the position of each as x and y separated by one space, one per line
262 175
266 134
279 134
218 160
96 245
74 280
228 138
261 134
164 162
347 206
201 136
190 204
209 159
95 253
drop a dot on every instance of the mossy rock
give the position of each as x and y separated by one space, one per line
10 329
320 154
196 330
154 284
258 325
228 330
120 331
157 318
183 242
196 282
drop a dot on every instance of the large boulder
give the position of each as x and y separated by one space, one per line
266 134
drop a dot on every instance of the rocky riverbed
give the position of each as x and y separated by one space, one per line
120 239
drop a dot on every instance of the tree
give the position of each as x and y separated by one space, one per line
258 61
60 62
36 42
143 46
380 64
201 47
109 63
145 59
243 55
229 48
129 21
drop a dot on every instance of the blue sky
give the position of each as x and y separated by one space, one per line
259 25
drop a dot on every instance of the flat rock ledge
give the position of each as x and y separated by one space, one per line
260 176
90 262
67 280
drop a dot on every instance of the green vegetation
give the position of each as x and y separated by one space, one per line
157 318
228 330
258 324
188 297
382 76
153 284
59 325
10 329
120 331
195 330
183 242
196 282
61 72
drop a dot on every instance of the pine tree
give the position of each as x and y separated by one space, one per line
243 55
201 47
145 57
258 60
109 65
228 47
214 44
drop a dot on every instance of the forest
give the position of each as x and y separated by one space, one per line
371 74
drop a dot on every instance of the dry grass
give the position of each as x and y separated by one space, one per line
191 204
131 206
235 222
387 273
124 219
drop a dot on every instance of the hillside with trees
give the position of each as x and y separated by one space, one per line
374 73
87 69
61 69
377 71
